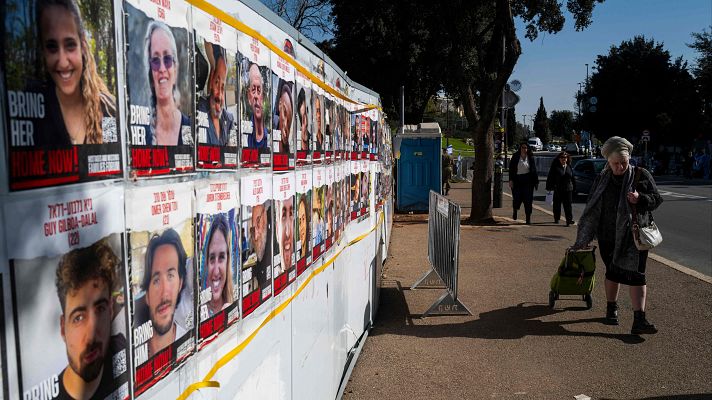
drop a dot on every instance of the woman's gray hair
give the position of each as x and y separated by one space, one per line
147 61
617 145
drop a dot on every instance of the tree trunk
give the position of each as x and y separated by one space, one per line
483 138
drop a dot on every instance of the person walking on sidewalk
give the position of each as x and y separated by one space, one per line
447 171
608 217
561 181
523 179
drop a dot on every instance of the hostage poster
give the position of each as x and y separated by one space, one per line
160 246
283 113
216 113
217 234
255 102
60 93
303 119
329 207
160 88
283 242
303 205
257 228
318 212
68 285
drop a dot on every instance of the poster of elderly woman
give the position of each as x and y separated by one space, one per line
160 90
60 92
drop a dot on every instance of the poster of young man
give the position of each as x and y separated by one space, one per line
284 270
337 130
160 88
303 119
60 93
216 96
304 229
318 215
284 111
256 197
319 138
355 192
329 207
68 285
160 237
255 102
217 236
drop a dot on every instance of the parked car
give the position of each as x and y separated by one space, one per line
553 147
535 143
585 171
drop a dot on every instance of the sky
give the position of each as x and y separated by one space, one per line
553 65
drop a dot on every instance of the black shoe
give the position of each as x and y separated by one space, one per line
570 223
556 220
641 326
514 215
529 219
612 313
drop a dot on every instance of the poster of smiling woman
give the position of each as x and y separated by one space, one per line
217 236
69 294
160 88
60 92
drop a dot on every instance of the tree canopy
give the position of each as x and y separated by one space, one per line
561 123
638 86
702 70
541 123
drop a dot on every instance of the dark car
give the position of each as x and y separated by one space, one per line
585 171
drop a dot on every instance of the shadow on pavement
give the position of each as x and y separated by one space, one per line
514 322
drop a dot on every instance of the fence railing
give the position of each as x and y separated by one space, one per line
443 254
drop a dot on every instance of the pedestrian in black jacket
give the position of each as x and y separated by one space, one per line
561 181
523 179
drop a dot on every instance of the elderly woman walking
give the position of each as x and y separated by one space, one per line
608 217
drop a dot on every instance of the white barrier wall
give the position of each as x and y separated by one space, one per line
196 203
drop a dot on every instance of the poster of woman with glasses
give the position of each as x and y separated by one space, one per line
160 91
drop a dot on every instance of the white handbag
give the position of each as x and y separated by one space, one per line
645 237
549 198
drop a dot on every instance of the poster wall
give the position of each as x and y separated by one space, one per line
304 217
283 114
160 245
255 102
69 294
160 90
284 270
256 214
217 236
61 124
216 92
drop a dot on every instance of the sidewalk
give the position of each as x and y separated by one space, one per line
514 346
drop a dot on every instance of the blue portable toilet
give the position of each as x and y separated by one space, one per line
418 165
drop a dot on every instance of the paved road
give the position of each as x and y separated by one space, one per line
685 219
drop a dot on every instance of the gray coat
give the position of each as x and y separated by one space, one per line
625 254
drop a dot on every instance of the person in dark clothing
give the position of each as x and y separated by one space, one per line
608 218
523 179
447 172
561 181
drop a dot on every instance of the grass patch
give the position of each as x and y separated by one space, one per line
459 145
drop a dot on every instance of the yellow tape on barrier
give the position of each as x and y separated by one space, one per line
206 382
242 27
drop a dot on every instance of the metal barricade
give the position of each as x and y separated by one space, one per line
443 254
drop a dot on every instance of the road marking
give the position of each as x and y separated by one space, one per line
662 260
682 195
